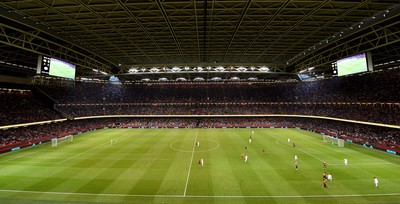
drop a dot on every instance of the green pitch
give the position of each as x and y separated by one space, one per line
161 166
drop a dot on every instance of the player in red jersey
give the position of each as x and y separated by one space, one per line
324 180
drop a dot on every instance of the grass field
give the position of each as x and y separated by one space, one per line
161 166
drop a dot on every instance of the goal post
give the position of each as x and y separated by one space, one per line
341 142
333 140
57 141
326 138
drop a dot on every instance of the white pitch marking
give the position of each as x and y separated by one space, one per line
84 152
81 153
360 153
172 147
191 161
198 196
277 140
364 164
22 156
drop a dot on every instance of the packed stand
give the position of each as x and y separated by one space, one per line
377 87
371 97
367 113
23 107
380 137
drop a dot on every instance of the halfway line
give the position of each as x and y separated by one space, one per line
191 161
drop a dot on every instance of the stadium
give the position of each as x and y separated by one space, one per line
173 101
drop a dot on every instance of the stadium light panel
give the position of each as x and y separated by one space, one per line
216 79
154 70
198 79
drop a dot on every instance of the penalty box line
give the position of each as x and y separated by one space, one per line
77 155
315 157
199 196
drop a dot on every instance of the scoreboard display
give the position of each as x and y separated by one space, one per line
354 64
55 67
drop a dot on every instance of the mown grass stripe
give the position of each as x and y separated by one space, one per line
204 196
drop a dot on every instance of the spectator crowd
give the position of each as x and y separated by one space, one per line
370 97
363 134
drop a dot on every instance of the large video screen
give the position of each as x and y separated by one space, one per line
62 69
351 65
56 67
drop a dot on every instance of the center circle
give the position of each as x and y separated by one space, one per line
216 146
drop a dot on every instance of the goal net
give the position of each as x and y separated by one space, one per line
57 141
333 140
326 138
340 142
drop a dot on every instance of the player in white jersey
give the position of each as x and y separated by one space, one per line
329 177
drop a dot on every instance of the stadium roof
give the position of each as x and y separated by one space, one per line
258 37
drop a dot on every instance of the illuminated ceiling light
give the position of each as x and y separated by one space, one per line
176 69
133 70
198 79
216 79
186 68
264 69
235 78
180 79
146 79
241 69
220 69
252 79
154 70
162 79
